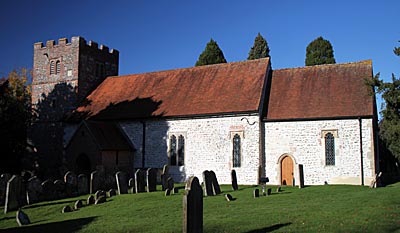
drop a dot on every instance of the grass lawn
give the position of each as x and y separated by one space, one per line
333 208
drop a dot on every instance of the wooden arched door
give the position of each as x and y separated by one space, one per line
287 171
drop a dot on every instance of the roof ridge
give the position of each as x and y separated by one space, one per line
366 62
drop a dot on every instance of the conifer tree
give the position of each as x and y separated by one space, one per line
260 48
212 54
319 51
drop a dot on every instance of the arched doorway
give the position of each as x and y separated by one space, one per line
83 165
287 171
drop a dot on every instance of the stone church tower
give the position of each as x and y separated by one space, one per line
63 75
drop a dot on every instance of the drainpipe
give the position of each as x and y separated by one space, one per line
143 142
361 152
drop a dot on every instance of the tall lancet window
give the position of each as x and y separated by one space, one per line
172 150
329 149
236 151
181 150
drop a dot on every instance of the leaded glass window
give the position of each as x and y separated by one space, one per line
181 150
236 151
329 149
172 150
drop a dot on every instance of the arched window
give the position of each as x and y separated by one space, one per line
236 151
181 150
52 67
172 150
329 149
58 67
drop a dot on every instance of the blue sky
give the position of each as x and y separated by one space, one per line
163 35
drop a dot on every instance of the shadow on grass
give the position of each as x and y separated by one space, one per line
271 228
60 227
47 204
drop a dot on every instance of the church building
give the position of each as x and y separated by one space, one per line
316 123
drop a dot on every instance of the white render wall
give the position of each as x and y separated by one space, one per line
303 141
208 146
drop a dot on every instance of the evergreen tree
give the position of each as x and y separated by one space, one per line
212 54
260 48
319 51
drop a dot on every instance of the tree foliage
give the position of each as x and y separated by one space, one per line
319 51
212 54
15 113
260 48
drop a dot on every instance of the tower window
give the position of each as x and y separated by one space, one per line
58 67
52 65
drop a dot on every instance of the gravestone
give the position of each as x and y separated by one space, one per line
167 192
99 194
122 183
66 209
13 192
228 197
215 184
151 180
207 183
59 189
278 190
176 191
33 190
102 199
269 191
256 193
301 176
71 184
140 183
90 200
78 204
22 218
4 178
234 180
170 183
83 184
131 185
164 177
111 193
48 190
95 181
193 206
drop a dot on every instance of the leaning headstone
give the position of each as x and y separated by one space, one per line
94 182
278 190
4 178
59 189
71 184
228 197
140 182
33 190
269 191
301 176
234 181
102 199
215 184
207 183
111 193
90 200
12 194
22 218
164 177
167 192
170 183
83 184
256 193
98 194
78 204
122 183
66 209
193 206
131 185
151 180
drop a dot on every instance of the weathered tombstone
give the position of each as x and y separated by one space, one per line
48 190
170 183
234 181
33 190
269 191
228 197
90 200
66 209
193 206
98 194
94 181
4 178
102 199
78 204
83 184
167 192
140 183
151 180
22 218
207 182
122 183
164 177
278 190
59 189
111 193
12 194
71 184
215 184
301 176
176 191
131 185
256 193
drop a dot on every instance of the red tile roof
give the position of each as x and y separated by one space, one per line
324 91
215 89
